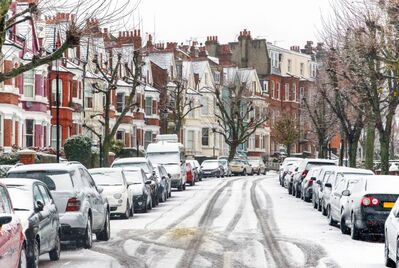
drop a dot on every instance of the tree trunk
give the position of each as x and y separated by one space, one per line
288 149
233 150
384 143
352 151
341 153
105 151
369 143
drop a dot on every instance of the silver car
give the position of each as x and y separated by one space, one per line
82 209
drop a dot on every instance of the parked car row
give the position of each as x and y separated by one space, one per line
42 205
355 200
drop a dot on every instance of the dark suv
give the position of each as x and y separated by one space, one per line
82 209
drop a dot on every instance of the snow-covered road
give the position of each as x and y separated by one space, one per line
231 222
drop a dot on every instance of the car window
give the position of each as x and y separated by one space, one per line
341 183
358 187
37 195
46 197
87 178
5 205
56 180
326 176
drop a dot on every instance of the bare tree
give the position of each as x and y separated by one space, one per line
236 116
180 105
323 119
111 78
78 11
286 132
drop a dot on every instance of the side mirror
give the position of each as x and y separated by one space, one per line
318 182
170 176
346 193
313 178
5 219
296 169
100 190
39 206
328 185
148 182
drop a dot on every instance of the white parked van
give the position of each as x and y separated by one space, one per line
171 155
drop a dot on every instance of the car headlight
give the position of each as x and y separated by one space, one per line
117 195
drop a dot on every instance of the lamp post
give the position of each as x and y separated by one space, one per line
214 141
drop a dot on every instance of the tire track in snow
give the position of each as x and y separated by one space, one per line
205 222
238 214
313 252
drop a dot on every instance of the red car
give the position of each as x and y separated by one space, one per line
190 174
12 239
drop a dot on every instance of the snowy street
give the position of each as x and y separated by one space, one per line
232 222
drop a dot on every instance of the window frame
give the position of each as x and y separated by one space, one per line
29 81
205 137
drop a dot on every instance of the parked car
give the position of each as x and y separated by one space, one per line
303 168
168 152
36 208
141 187
317 188
307 183
342 178
164 191
226 167
258 167
146 165
12 241
288 161
82 209
240 167
115 189
196 168
212 168
370 202
190 174
392 237
289 176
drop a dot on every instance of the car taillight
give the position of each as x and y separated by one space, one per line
73 204
369 201
304 173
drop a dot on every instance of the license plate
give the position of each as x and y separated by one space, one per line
389 204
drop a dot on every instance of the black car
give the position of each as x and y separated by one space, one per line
36 208
141 186
370 202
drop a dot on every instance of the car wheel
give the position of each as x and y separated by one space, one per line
244 172
314 202
105 233
126 215
55 253
180 188
355 232
22 258
319 205
323 209
192 183
33 261
289 189
170 194
132 209
88 239
306 198
330 218
184 186
342 225
298 193
145 208
151 204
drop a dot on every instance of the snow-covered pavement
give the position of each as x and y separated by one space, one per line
231 222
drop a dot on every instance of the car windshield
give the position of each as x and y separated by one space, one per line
142 165
314 164
55 180
21 198
163 158
254 162
107 178
210 164
134 177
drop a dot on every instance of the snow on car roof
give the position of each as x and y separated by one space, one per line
18 182
387 184
130 160
35 167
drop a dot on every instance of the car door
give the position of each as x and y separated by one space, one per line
53 216
98 203
43 219
322 182
336 196
8 242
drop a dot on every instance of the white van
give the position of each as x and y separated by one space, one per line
171 156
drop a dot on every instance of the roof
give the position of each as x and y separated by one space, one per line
19 182
163 60
199 67
37 167
130 160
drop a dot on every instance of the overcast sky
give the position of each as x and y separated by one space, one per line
285 22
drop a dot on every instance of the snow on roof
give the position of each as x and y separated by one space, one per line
187 69
199 67
163 60
213 59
